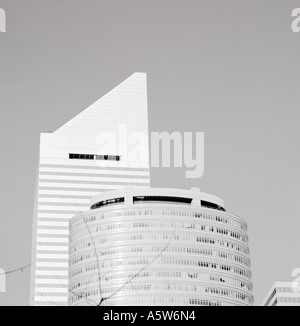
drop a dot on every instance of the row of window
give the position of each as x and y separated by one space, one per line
64 204
157 249
65 196
94 167
122 226
114 301
94 182
227 280
285 289
152 300
206 264
54 277
93 190
48 268
46 211
55 286
161 224
204 240
96 175
229 293
288 299
51 219
53 227
52 260
158 212
108 291
52 244
169 261
92 280
49 294
47 235
203 302
100 241
108 277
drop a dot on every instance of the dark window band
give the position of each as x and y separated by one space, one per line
94 157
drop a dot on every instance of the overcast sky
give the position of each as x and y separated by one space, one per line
228 68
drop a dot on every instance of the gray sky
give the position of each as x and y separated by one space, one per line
228 68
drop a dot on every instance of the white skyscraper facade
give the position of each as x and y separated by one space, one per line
103 148
283 293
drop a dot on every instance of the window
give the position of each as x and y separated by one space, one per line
108 157
108 202
81 156
94 157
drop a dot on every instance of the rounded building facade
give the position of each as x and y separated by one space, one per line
154 246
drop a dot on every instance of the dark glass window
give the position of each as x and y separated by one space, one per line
94 157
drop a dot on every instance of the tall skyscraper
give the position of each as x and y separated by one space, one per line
103 148
159 246
282 293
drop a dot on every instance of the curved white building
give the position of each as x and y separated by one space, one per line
159 247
